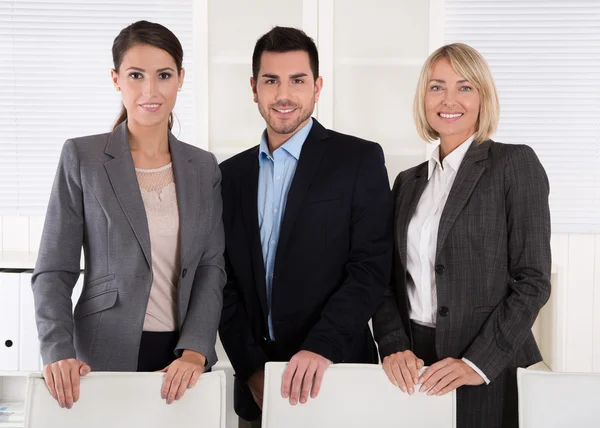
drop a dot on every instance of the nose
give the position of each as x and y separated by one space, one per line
282 92
449 98
149 87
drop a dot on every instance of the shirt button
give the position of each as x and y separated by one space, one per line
184 273
272 241
439 269
443 311
278 177
275 210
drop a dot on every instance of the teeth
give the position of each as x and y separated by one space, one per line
285 111
150 105
450 116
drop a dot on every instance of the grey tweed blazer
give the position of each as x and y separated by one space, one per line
96 204
492 260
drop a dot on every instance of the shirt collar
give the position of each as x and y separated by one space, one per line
453 160
293 146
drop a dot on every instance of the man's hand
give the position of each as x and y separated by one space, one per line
402 368
183 373
62 380
303 375
256 383
447 375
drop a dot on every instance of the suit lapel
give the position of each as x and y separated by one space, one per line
249 195
310 158
123 179
188 197
466 179
413 189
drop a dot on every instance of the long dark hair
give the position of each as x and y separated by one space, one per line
145 33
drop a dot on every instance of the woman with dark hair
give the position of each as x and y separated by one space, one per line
146 208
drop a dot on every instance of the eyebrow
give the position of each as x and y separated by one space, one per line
160 70
443 81
292 76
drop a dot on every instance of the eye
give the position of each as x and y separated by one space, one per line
135 75
298 81
435 88
164 75
466 88
270 81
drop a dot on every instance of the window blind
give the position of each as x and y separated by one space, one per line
55 84
545 58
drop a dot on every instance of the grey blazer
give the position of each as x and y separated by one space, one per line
96 203
492 261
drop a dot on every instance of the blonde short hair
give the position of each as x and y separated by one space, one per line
469 63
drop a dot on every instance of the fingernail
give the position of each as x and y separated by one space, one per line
163 395
69 405
416 381
403 389
190 386
411 391
170 400
75 399
395 383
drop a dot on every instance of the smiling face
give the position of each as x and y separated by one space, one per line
286 92
451 103
148 81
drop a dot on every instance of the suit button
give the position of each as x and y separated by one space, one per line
443 311
184 273
439 269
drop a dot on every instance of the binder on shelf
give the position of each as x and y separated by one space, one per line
29 345
9 319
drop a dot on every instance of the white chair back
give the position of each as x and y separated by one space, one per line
354 395
558 400
126 400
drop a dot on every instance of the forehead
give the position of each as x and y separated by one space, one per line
147 57
442 69
284 63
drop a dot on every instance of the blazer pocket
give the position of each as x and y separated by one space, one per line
483 309
317 199
101 280
96 303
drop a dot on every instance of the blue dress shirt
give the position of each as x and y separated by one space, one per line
276 172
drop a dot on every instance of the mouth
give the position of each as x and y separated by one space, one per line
151 107
450 116
284 112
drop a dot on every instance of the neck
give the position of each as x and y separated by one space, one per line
153 141
449 143
276 140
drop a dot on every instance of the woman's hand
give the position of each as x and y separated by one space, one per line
447 375
402 368
183 373
62 380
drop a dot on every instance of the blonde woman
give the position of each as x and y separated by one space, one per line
472 250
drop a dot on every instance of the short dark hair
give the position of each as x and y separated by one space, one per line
285 39
146 33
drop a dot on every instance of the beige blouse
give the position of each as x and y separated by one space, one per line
160 201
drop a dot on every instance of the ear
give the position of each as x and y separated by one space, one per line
254 90
115 78
318 87
181 77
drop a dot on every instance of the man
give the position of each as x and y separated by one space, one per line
307 218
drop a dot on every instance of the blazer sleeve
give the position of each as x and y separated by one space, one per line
388 328
58 264
349 309
199 330
529 258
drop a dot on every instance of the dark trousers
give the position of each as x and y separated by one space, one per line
157 350
485 406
